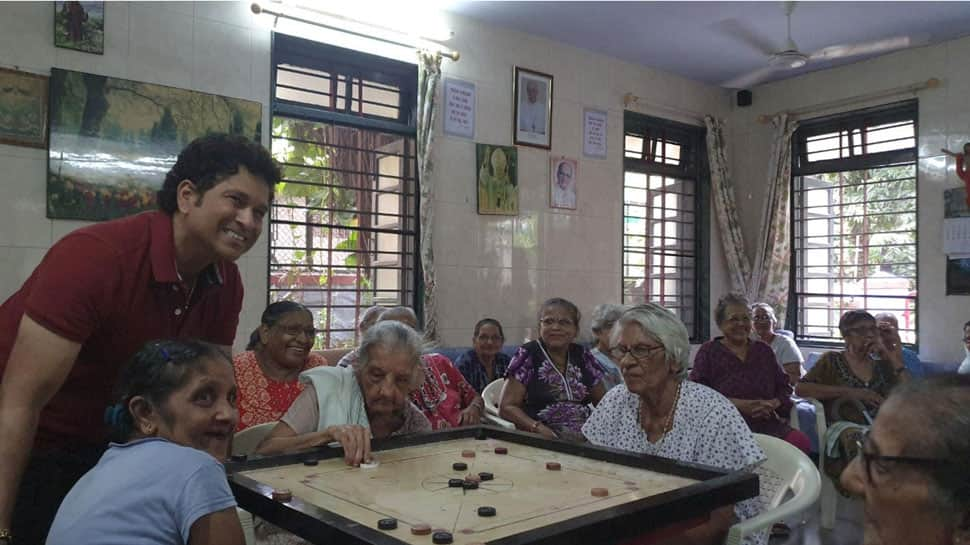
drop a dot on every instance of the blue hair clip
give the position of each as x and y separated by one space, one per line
165 354
114 414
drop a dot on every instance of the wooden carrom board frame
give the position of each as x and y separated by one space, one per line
609 523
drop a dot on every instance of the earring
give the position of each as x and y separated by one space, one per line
149 430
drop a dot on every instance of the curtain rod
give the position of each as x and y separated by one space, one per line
257 9
629 99
931 83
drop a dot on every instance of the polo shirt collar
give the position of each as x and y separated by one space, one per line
162 243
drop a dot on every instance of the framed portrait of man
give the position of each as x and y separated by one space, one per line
532 99
563 173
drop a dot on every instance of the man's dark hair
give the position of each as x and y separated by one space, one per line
211 159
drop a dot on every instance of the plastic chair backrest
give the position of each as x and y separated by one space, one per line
786 469
246 441
492 394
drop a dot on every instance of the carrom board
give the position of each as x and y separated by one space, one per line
333 502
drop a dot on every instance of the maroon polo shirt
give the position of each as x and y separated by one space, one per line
112 287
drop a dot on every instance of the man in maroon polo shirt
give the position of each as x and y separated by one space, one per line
99 294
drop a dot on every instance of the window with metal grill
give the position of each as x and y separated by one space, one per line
854 221
343 226
664 188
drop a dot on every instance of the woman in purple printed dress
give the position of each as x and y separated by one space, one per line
552 381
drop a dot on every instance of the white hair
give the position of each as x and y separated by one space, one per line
662 326
392 337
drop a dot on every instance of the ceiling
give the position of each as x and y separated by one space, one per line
700 40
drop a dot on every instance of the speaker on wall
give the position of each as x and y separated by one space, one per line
744 98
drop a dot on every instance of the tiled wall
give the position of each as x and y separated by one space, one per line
944 121
214 47
482 270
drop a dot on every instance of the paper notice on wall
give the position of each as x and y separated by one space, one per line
956 237
594 133
459 108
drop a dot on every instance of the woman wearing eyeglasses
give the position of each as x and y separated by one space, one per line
552 380
852 385
485 362
786 351
278 351
914 477
657 412
747 373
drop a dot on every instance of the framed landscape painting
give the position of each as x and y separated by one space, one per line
79 26
23 109
113 140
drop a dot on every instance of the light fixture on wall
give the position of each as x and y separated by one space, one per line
308 15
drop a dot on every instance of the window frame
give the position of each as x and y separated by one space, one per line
860 119
693 167
286 49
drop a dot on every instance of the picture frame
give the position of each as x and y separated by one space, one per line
563 178
23 108
113 140
497 180
79 26
532 108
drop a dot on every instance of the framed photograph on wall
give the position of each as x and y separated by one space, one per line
563 173
23 109
113 140
532 99
79 26
497 183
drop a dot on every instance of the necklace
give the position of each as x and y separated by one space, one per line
668 422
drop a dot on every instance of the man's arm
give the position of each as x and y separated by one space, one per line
38 365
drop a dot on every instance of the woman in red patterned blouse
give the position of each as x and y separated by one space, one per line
278 351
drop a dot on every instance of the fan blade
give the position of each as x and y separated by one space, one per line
737 31
865 48
751 78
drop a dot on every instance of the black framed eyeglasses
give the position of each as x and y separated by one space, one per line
868 459
640 352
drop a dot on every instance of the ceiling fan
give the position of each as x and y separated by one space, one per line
789 57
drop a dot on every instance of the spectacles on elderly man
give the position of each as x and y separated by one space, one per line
640 353
871 459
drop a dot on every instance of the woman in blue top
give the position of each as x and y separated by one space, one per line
162 482
485 362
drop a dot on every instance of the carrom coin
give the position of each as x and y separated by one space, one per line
421 529
468 454
441 538
282 494
600 492
459 466
387 524
486 476
501 450
553 466
486 511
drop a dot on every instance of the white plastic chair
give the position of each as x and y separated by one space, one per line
245 442
786 469
491 395
830 495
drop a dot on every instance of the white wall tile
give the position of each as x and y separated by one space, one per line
233 13
23 192
222 59
31 50
161 47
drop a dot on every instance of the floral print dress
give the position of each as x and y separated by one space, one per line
561 401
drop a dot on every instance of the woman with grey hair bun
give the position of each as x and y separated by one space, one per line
350 405
660 413
604 316
913 470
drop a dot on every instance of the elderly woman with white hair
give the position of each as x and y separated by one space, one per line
660 413
350 405
786 351
604 316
